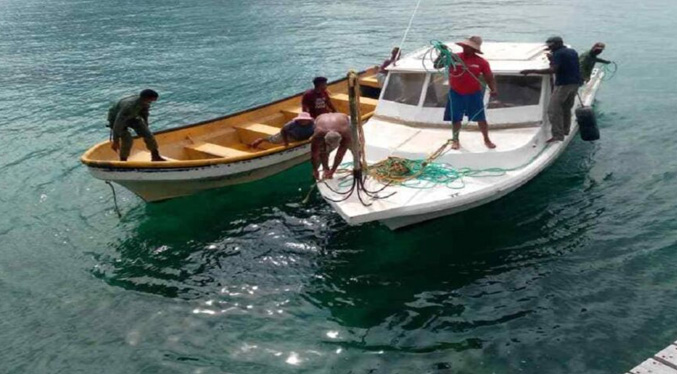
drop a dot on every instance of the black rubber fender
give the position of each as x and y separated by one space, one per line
587 123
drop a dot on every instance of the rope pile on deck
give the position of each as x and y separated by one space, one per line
423 175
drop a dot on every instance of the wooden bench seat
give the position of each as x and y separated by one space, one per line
291 113
363 100
215 150
249 132
371 81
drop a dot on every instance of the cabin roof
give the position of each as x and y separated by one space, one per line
503 57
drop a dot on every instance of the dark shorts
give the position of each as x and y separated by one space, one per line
470 105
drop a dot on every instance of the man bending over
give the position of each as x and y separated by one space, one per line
332 130
132 112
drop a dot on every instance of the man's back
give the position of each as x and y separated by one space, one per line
337 122
128 108
568 68
123 105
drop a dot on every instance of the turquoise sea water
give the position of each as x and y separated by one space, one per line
573 273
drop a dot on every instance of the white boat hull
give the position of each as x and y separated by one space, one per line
476 201
410 206
161 184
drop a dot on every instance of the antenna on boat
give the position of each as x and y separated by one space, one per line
406 32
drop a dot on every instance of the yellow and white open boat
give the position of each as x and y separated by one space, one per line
215 153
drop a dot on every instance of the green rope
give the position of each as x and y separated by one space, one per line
421 174
429 175
451 61
447 58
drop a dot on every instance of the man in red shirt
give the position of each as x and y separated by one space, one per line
317 101
466 94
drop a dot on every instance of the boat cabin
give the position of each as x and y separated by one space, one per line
416 93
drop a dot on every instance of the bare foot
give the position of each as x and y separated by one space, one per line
489 144
455 144
255 143
552 140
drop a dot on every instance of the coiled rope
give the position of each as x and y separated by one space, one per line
425 174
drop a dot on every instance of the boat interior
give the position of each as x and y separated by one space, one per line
414 97
227 139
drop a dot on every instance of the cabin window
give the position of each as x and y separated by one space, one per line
438 91
514 91
404 88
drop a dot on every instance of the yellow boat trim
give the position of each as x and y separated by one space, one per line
223 140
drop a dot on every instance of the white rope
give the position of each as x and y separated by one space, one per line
406 32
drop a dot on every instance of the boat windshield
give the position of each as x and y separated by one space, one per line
438 90
516 90
404 88
513 91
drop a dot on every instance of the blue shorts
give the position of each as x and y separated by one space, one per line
470 105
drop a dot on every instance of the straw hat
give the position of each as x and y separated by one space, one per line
474 42
303 116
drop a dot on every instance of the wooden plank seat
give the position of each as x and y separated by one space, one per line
371 81
249 132
291 113
341 101
216 150
364 101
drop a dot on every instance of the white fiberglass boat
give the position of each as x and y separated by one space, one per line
408 123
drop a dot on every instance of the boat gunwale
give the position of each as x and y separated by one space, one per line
139 165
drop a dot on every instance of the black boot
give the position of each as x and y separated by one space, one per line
155 156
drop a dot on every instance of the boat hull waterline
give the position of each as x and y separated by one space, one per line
163 184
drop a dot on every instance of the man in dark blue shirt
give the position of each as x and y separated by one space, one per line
564 64
300 128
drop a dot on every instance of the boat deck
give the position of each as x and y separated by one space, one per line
515 147
419 142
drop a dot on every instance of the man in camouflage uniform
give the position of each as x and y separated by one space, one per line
590 58
132 112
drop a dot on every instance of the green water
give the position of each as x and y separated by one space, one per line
573 273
